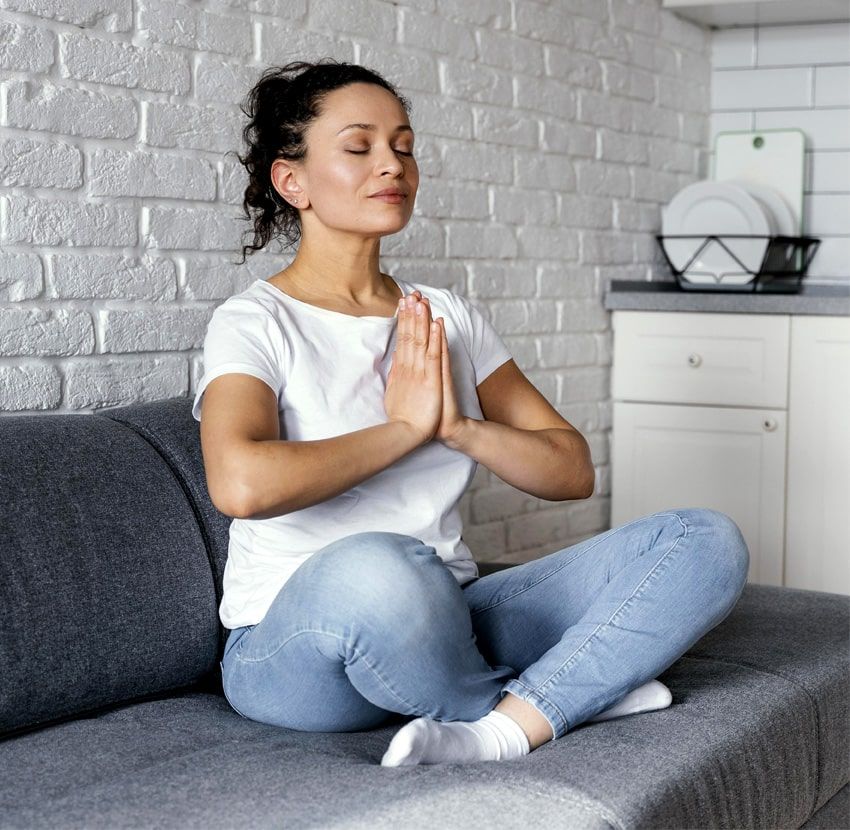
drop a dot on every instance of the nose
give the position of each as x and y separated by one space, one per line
389 162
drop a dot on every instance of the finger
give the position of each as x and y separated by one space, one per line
444 343
404 336
423 322
432 356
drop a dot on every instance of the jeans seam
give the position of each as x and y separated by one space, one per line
359 654
598 540
611 619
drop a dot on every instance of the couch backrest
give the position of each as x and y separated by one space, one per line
111 557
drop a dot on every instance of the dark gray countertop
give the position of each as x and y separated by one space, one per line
667 296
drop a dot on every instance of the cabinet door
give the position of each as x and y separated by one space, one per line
817 554
665 457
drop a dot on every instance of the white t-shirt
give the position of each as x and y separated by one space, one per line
329 372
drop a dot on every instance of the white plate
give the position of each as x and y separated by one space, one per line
774 201
708 208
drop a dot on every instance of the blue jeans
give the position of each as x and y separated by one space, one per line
374 626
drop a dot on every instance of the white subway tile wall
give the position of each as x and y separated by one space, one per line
787 77
549 136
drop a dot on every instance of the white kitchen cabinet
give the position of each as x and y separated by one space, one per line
713 410
817 527
726 13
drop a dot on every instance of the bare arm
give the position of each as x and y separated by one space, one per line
524 441
253 474
552 464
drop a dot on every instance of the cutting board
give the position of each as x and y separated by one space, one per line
775 158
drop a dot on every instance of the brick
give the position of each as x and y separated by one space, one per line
476 240
442 116
217 278
123 173
26 48
106 276
508 51
195 229
548 171
154 329
195 28
293 9
21 276
498 280
403 68
547 243
109 15
514 206
502 125
32 105
108 62
29 386
281 44
45 331
491 14
524 316
436 33
28 163
370 18
573 68
222 81
232 181
602 179
105 382
48 221
192 127
473 82
478 162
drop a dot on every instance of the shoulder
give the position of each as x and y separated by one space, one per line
249 315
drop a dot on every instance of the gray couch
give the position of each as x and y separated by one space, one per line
112 713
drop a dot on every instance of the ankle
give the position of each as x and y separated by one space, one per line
533 723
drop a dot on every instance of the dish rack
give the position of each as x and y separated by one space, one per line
783 266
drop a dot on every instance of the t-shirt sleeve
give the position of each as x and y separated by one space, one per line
486 347
242 337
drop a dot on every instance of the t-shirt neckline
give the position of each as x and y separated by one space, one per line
326 312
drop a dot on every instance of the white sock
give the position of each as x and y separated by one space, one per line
647 698
495 737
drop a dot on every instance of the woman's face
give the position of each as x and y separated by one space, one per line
362 143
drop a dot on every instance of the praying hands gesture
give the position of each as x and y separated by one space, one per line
420 391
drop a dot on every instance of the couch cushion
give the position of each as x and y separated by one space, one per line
169 426
106 592
740 746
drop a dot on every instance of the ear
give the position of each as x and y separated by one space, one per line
283 175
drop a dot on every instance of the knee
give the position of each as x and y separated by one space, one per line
384 573
723 544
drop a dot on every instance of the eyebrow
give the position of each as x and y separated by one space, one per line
373 127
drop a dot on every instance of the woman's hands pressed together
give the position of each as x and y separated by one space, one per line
420 390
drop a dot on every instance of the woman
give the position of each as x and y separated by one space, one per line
344 414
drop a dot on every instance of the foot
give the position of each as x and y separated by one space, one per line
495 737
647 698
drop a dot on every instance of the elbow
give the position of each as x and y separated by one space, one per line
591 483
233 501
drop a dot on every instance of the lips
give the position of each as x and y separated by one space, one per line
389 191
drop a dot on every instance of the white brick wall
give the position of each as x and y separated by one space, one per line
549 134
795 77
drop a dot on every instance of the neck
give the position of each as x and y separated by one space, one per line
345 267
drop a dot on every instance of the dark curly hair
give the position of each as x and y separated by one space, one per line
280 107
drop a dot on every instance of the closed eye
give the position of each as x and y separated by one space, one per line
360 152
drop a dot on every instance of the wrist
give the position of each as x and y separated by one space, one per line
461 438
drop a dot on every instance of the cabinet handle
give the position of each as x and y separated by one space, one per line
769 424
694 359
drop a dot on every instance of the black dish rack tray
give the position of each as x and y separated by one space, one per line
784 264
